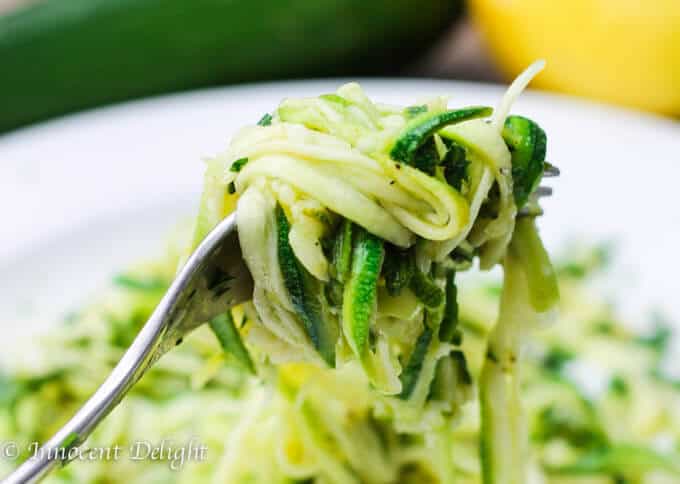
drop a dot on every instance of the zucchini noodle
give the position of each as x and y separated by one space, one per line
353 219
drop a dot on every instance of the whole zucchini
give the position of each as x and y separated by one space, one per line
58 56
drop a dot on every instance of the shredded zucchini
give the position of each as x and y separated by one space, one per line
361 354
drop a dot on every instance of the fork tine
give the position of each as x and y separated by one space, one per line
543 191
550 170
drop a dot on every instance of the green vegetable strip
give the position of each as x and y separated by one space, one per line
360 295
230 339
425 289
398 270
305 293
409 377
342 250
449 325
418 131
541 278
527 143
334 98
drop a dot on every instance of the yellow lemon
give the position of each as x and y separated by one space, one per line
620 51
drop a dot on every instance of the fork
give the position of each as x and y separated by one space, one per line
213 279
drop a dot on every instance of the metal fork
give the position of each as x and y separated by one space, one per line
212 280
533 209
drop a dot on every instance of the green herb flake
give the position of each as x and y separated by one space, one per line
556 358
237 165
149 284
618 386
456 166
413 111
266 120
658 340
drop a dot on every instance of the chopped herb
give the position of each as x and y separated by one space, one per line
456 166
574 270
556 423
238 164
604 327
150 284
556 358
266 120
658 375
10 390
493 290
618 386
658 340
231 188
398 269
426 157
413 111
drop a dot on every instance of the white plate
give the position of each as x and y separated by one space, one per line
83 196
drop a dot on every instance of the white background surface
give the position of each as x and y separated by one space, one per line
82 197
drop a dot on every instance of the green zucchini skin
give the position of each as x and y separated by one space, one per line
426 290
448 331
230 339
342 251
527 143
420 128
409 377
306 294
59 56
361 290
398 269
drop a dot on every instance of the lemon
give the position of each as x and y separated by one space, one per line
620 51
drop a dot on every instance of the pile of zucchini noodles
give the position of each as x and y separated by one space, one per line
619 424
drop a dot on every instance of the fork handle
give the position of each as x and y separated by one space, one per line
176 314
136 360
